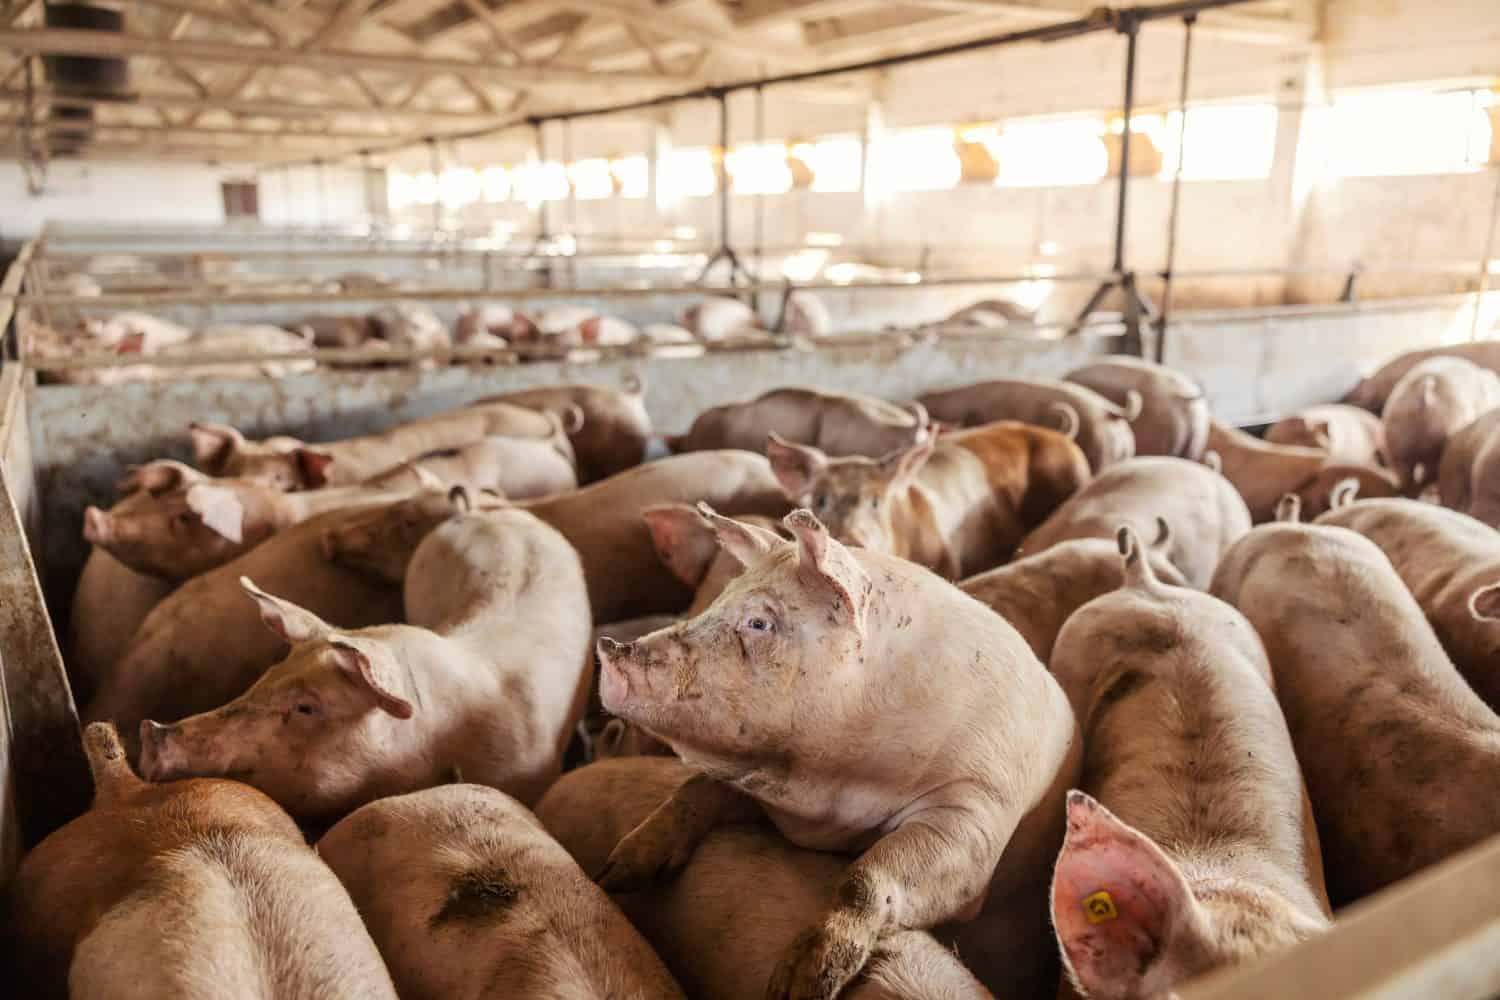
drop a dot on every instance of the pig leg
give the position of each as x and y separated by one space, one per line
665 841
933 868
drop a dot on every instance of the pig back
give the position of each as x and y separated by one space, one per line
1372 392
1460 479
110 602
1174 411
615 429
1102 432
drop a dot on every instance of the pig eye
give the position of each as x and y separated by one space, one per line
756 623
306 708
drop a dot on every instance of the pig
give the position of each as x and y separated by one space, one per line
720 318
1186 507
1191 845
110 601
1372 392
1431 403
338 331
838 423
1039 593
603 522
659 334
518 468
487 680
149 333
295 465
1451 564
687 544
204 643
1262 472
1320 493
767 697
468 897
193 889
185 523
1100 428
744 883
957 505
1469 471
806 316
1172 417
619 739
244 339
989 314
412 328
486 324
615 428
1345 434
1398 752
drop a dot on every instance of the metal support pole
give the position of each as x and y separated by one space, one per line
543 231
567 154
436 165
725 252
760 199
1132 32
1182 112
1489 255
322 196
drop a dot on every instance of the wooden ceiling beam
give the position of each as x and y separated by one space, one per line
675 24
258 108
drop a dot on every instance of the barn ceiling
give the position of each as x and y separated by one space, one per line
280 80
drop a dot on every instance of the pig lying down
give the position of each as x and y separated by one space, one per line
1204 852
488 679
468 898
862 705
193 889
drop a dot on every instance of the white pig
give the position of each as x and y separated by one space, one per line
1432 402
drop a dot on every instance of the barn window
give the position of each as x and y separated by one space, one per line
632 176
834 162
915 160
1405 133
1051 153
591 179
494 183
459 186
534 183
760 169
1227 142
688 173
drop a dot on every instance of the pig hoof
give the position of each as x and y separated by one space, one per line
817 966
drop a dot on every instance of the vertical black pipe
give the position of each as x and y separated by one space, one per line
1182 112
724 182
1131 29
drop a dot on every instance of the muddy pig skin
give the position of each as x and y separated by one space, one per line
615 428
1343 433
1203 850
1202 513
1173 417
952 799
204 643
296 465
486 681
1434 401
469 898
194 889
1100 428
744 884
1398 752
957 505
1469 471
603 522
1372 392
1451 564
1039 593
835 422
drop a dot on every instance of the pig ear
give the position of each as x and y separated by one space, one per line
1484 603
797 466
1116 900
292 623
906 463
825 563
426 478
1319 431
684 540
745 542
372 666
313 465
158 477
220 510
214 445
1289 508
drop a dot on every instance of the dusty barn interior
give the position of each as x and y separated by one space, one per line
780 499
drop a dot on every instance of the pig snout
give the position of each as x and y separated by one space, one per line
614 685
97 526
161 757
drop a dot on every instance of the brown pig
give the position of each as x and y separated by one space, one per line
1372 392
468 898
603 522
1451 564
953 802
1432 402
1173 411
194 889
1262 473
1469 471
1101 428
744 883
688 545
1399 753
488 680
517 468
957 505
1188 507
204 643
1037 594
1321 492
838 423
615 428
1345 434
296 465
1203 853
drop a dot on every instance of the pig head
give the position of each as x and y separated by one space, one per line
283 462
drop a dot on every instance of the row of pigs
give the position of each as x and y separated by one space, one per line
411 327
825 768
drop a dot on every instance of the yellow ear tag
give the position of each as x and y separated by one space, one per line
1099 907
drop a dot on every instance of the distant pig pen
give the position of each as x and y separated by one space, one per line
65 445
